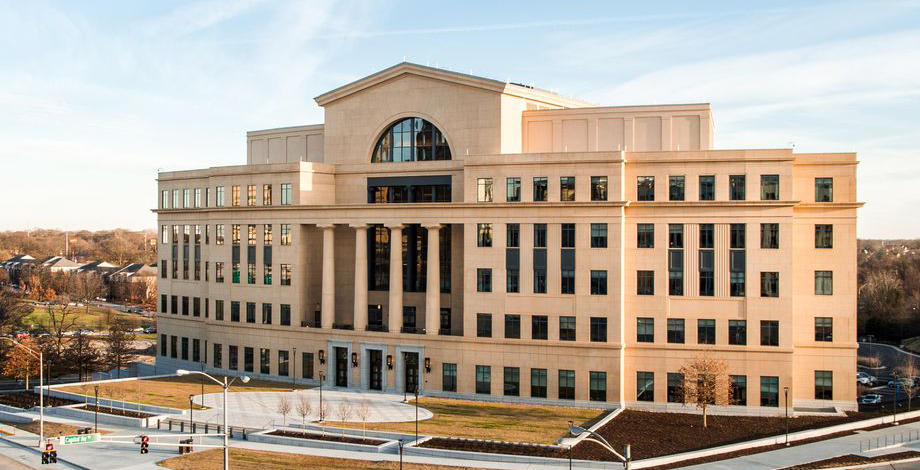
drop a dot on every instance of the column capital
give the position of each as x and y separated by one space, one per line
395 225
359 225
434 226
325 225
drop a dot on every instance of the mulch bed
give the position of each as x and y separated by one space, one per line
328 437
854 460
495 447
117 411
27 400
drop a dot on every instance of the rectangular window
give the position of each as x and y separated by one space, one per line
185 347
250 312
218 310
769 236
512 326
173 347
264 361
483 280
769 187
164 200
568 235
219 271
769 391
676 188
539 327
484 325
175 199
645 235
217 357
567 188
707 237
707 273
283 363
513 235
645 187
598 188
645 330
567 280
540 189
676 330
234 310
285 234
409 319
645 282
566 384
484 190
233 356
737 232
266 314
483 235
675 387
306 365
824 385
737 332
675 259
219 234
163 345
598 235
513 189
267 234
824 236
219 195
645 386
267 200
769 333
287 194
196 306
251 195
483 380
738 385
538 383
512 381
736 187
597 386
769 284
539 235
824 329
164 234
251 273
285 274
706 331
186 198
598 282
598 329
235 234
285 315
197 197
824 283
566 328
707 187
248 359
824 189
449 377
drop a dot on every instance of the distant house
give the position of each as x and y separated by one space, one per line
101 268
60 264
134 282
14 266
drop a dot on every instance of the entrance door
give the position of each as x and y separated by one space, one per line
341 367
410 359
375 363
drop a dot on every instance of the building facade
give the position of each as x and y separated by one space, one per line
583 253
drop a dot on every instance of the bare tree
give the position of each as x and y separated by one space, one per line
364 412
12 309
908 372
304 407
344 411
119 351
284 407
705 383
82 355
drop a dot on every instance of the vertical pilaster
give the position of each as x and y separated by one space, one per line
396 278
328 293
433 281
360 310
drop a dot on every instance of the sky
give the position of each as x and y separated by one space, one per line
97 97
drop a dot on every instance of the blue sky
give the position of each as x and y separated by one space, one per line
95 97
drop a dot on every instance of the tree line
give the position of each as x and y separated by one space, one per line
117 246
889 289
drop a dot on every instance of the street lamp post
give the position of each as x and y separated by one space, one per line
96 409
786 397
226 384
294 370
322 378
191 414
598 439
41 388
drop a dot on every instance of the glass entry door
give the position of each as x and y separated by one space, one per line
375 362
410 360
341 367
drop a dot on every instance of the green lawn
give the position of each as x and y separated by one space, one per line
93 318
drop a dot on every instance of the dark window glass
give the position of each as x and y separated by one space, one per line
598 282
567 281
539 235
824 385
676 188
217 357
483 380
513 236
411 139
706 331
645 235
449 377
283 363
769 236
512 381
598 188
676 330
513 189
736 187
769 333
707 272
769 187
645 386
598 329
512 326
737 332
566 384
769 284
824 283
707 236
598 235
566 328
539 325
737 232
286 315
645 330
707 188
769 391
675 236
824 329
266 314
738 389
568 235
540 189
306 365
824 189
409 320
250 312
483 280
824 236
538 383
597 386
484 325
675 387
645 282
233 357
737 273
248 359
234 311
646 188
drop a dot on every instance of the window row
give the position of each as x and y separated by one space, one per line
738 388
769 236
539 327
769 280
511 382
484 189
195 234
195 198
737 188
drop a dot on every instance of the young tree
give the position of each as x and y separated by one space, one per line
19 363
908 371
706 383
344 411
304 407
364 412
119 350
284 407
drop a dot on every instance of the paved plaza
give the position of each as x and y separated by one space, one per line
260 409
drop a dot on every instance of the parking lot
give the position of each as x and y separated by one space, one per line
891 358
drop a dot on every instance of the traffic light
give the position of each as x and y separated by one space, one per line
49 455
145 444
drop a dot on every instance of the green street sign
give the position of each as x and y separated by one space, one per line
79 439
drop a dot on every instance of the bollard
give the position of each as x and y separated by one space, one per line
170 425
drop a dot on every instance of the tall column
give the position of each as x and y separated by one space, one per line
433 281
328 305
396 278
360 311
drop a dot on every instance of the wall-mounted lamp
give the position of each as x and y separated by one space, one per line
427 365
354 359
322 356
389 362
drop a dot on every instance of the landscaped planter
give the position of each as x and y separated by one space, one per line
79 412
383 435
105 402
317 441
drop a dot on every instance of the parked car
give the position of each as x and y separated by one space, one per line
866 379
901 382
870 399
150 329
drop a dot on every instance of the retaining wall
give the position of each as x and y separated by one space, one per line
75 412
264 437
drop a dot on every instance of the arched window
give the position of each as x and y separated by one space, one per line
409 140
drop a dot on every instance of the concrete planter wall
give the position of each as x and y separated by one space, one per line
355 432
106 403
78 413
487 457
11 417
264 437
